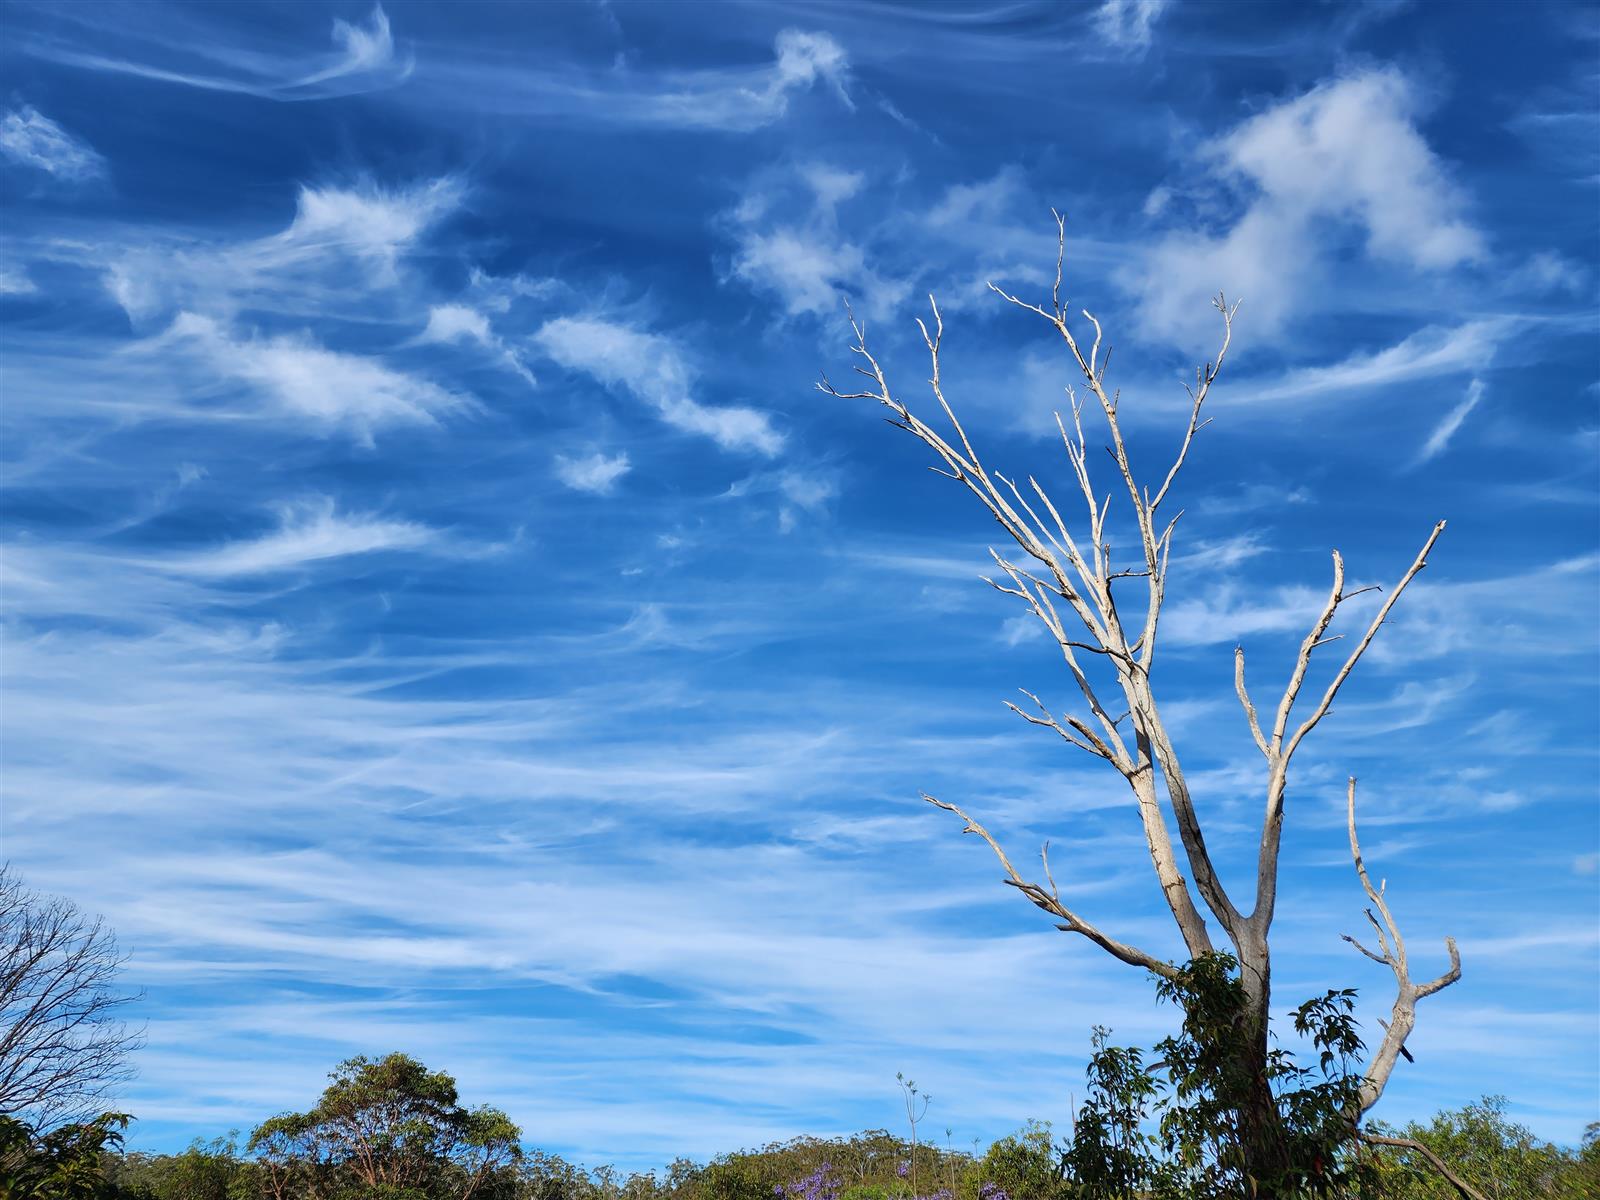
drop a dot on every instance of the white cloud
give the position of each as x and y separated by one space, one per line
997 229
597 472
807 490
498 293
731 99
1502 801
363 59
810 274
364 49
798 491
1250 497
1128 23
804 259
651 368
305 268
31 139
1427 353
1346 154
802 492
1231 613
302 379
1546 272
370 221
1020 628
1446 429
15 282
736 100
811 238
1351 149
456 322
1225 553
804 59
831 185
308 531
987 201
1530 610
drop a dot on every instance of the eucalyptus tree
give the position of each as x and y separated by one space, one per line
386 1127
1104 617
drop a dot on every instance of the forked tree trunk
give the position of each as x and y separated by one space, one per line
1261 1136
1065 577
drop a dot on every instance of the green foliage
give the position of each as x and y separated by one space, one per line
551 1177
737 1177
1493 1154
210 1170
867 1166
1166 1127
387 1129
1026 1165
1192 1125
64 1164
1111 1153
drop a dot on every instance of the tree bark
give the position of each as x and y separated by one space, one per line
1065 576
1261 1140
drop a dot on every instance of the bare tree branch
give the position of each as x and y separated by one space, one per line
1050 900
1249 708
1090 600
1403 1015
1107 630
1279 752
63 1044
1463 1189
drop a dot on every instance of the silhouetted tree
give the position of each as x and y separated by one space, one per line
63 1043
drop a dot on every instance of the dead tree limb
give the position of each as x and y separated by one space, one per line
1464 1189
1106 631
1403 1014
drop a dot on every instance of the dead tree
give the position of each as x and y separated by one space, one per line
63 1044
1105 619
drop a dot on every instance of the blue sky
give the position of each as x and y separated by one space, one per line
442 615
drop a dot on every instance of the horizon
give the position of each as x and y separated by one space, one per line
443 615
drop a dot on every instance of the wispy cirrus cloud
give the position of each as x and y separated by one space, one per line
304 267
1448 427
14 281
600 823
368 221
292 375
1427 353
456 323
597 473
363 58
815 235
650 367
31 139
310 530
453 324
799 491
727 99
788 243
1129 24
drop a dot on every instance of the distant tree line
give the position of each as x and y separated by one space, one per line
1162 1126
391 1129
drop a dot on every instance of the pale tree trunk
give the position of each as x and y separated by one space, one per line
1106 633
